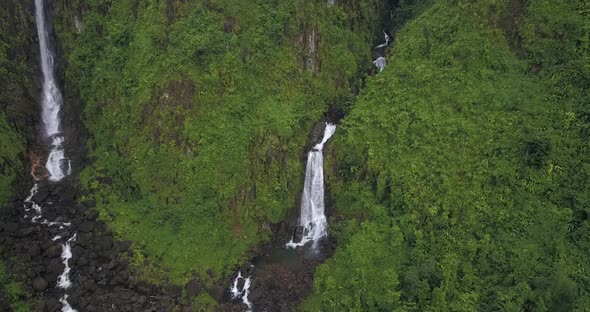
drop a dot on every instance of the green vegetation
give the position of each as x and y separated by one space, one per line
461 174
18 299
198 115
14 79
11 149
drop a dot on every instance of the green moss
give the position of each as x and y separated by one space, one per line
13 291
204 303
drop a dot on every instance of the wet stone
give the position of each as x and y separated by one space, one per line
40 284
34 251
10 227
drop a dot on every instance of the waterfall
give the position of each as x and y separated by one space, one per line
383 45
312 218
380 63
242 293
66 254
58 166
34 212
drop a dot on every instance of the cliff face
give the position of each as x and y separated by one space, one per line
198 114
19 111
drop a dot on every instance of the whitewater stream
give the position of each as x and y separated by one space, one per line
241 289
58 166
381 61
312 218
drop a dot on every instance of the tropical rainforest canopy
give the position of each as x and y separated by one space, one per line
458 178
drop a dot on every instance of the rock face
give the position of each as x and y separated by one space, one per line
100 276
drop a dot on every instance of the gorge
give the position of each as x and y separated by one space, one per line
172 155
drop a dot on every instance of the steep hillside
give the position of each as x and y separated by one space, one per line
17 103
198 114
461 174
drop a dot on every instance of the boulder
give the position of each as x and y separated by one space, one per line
173 291
34 250
192 288
40 284
10 227
26 231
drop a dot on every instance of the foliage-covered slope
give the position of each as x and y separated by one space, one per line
198 114
461 175
15 82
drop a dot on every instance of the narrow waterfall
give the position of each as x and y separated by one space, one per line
312 218
243 291
58 166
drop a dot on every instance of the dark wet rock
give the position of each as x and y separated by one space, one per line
41 196
298 234
173 291
99 273
89 285
34 250
53 270
86 226
52 304
40 284
105 243
89 203
26 231
216 292
10 227
124 246
193 288
53 251
141 299
144 288
91 215
39 307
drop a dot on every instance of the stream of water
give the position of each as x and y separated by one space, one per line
312 218
58 166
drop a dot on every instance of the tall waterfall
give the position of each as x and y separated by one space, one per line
312 218
58 166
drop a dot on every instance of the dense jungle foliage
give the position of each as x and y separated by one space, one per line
14 80
198 114
462 173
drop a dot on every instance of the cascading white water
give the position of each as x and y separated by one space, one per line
236 292
380 63
66 306
64 279
312 218
386 43
58 166
35 213
66 253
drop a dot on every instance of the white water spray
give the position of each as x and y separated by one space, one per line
66 306
236 292
58 166
380 63
312 218
385 43
66 253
